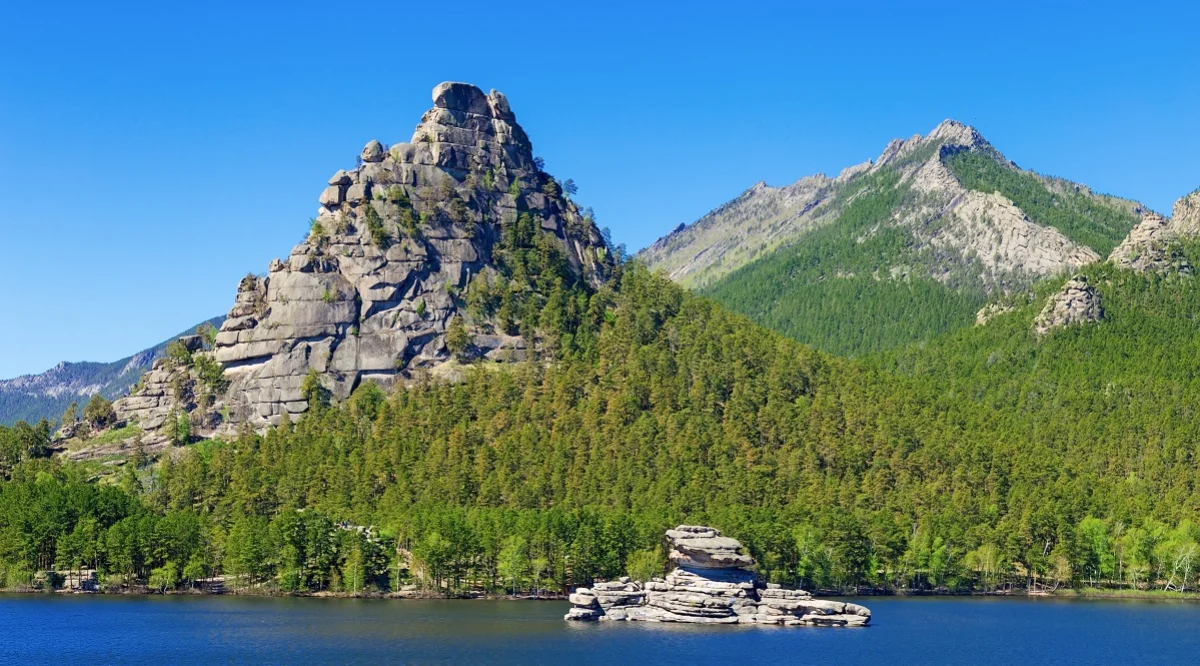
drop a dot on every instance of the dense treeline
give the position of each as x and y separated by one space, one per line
837 288
988 458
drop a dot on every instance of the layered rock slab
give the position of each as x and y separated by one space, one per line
710 586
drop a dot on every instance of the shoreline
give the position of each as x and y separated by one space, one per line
1068 593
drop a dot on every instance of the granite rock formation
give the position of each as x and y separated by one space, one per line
173 389
1076 303
1151 246
397 242
1185 220
711 585
47 394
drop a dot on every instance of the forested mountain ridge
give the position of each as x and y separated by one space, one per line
46 395
991 456
947 208
900 249
1028 450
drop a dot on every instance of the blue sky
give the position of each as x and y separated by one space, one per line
150 156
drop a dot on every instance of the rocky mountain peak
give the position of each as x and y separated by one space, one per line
972 234
952 132
948 133
398 243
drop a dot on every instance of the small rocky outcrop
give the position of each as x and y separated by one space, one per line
171 390
1152 245
991 311
711 585
1185 220
1077 303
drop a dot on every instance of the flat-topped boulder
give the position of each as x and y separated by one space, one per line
704 548
718 590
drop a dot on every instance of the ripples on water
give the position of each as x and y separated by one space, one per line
36 629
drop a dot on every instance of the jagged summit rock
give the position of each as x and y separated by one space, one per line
710 586
397 243
1151 246
1076 303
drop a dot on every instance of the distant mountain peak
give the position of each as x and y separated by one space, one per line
47 394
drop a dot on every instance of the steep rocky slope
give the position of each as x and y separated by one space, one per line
977 234
447 246
900 249
47 395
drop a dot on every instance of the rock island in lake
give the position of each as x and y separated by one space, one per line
711 584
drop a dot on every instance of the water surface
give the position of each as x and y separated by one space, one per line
54 629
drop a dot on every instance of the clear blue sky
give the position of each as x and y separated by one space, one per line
150 156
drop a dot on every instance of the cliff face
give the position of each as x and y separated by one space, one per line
398 245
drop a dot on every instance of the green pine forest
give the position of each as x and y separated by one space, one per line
827 289
982 458
860 285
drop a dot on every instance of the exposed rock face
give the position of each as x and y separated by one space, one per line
396 243
168 392
1150 246
1077 303
698 547
974 237
991 311
1004 239
1185 220
710 586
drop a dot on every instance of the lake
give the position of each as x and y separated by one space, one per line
44 629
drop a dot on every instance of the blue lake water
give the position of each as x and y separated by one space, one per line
45 629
